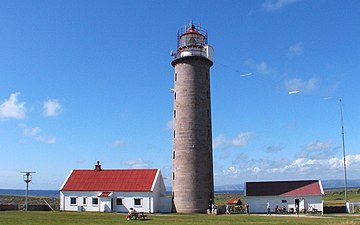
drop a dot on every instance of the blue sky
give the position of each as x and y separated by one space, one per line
82 81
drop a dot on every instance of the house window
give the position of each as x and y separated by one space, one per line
95 201
72 200
84 201
119 201
137 201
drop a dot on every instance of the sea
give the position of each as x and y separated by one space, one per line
17 192
222 189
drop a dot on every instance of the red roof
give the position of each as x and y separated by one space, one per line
137 180
283 188
105 194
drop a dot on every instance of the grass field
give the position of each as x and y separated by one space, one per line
333 197
91 218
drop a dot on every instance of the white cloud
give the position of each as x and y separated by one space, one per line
318 150
117 144
260 67
301 85
51 107
241 140
296 49
282 169
137 163
318 145
35 133
274 5
219 141
11 108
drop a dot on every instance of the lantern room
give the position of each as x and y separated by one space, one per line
193 41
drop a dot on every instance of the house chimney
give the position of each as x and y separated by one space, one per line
98 166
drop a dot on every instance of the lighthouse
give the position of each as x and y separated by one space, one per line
192 158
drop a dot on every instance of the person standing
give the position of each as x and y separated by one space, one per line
268 209
247 208
227 209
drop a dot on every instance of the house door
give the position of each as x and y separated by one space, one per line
297 201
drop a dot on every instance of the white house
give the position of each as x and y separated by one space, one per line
114 191
306 194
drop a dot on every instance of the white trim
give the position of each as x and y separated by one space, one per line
244 188
158 173
321 187
67 178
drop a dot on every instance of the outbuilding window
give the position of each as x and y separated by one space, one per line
284 201
72 200
95 201
84 201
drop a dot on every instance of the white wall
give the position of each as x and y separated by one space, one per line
158 191
79 206
104 204
257 204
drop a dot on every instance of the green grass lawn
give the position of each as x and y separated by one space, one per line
92 218
333 197
336 197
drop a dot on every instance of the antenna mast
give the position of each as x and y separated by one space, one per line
343 149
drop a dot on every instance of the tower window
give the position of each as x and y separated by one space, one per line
175 95
174 113
174 133
173 176
173 154
175 77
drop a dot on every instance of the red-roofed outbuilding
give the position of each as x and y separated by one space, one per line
114 190
304 195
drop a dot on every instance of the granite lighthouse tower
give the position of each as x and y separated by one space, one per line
192 178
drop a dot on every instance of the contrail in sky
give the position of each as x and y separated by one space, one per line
293 92
245 75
